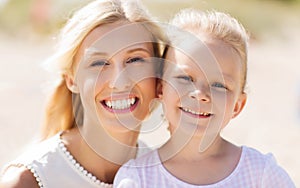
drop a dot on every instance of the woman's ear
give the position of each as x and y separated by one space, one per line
239 105
71 84
159 89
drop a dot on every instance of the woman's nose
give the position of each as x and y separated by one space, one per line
119 79
200 95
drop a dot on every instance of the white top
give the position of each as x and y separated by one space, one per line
53 166
253 170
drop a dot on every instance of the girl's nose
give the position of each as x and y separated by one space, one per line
200 95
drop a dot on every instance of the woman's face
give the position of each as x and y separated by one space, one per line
115 76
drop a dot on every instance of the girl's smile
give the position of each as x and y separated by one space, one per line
195 114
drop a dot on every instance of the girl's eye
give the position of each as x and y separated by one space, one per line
185 78
136 60
99 63
219 85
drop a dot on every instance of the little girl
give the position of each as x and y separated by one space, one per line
202 89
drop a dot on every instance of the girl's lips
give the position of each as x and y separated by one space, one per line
196 114
124 105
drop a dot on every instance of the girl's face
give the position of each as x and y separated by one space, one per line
201 88
115 76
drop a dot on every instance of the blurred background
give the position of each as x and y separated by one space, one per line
270 121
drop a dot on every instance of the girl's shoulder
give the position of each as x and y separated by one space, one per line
143 148
135 171
151 157
265 168
252 159
253 154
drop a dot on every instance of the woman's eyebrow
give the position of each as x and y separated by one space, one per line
93 51
139 49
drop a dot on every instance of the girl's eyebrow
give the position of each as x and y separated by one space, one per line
227 77
187 69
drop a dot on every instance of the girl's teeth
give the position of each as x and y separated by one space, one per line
195 113
120 104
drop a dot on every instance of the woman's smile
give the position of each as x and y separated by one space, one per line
121 105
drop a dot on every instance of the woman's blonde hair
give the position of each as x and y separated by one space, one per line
63 106
216 25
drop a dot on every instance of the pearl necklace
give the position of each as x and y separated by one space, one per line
80 168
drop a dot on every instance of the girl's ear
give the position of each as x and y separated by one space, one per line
239 105
71 84
159 89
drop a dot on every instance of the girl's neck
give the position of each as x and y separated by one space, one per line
181 147
196 167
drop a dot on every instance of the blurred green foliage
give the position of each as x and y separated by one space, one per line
14 14
39 16
259 16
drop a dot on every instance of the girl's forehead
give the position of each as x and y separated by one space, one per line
209 58
190 57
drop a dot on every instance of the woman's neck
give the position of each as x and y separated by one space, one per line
100 155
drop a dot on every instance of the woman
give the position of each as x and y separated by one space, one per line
106 59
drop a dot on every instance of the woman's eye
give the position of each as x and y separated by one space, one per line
99 63
218 85
136 60
186 78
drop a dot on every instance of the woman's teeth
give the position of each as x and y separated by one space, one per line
120 104
195 113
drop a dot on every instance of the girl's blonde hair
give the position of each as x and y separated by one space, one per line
216 25
63 106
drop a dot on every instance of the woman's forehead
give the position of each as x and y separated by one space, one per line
114 37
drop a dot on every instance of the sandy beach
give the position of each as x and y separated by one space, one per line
270 121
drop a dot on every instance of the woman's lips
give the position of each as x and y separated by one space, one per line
124 105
